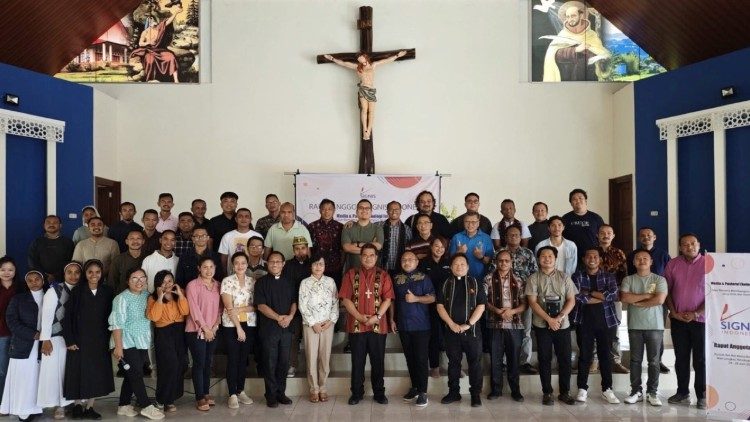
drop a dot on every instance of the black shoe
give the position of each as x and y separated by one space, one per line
565 398
663 368
283 399
547 400
354 400
411 395
517 397
527 369
476 400
91 414
77 412
422 400
494 395
29 418
451 398
381 398
347 347
272 403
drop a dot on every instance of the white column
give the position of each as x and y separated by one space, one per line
3 201
720 184
673 197
51 177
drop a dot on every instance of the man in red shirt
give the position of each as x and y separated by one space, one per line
366 293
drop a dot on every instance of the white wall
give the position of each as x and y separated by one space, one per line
623 151
458 108
105 136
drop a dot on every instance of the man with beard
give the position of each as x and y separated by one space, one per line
426 205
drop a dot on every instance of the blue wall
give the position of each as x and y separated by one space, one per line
684 90
45 96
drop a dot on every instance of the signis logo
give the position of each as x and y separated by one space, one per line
726 322
363 193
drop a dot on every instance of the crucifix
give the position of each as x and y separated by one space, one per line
364 63
368 293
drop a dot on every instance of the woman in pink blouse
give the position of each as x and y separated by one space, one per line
201 326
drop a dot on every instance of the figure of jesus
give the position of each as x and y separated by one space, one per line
365 69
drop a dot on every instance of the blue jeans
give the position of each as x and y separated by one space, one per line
652 341
4 360
203 354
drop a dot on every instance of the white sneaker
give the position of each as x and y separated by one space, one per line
152 412
582 395
127 410
232 402
290 373
610 396
634 398
653 400
244 399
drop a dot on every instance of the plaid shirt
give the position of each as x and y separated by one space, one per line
606 284
182 245
524 262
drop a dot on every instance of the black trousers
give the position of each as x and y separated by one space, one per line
237 354
455 347
508 343
133 382
592 332
415 345
437 342
170 351
560 340
689 338
276 346
363 345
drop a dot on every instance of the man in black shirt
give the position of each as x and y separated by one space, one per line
50 253
462 335
120 230
297 269
425 203
276 299
581 225
539 229
224 222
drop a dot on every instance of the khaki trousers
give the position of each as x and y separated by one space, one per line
318 357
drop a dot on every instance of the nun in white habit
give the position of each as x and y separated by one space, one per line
54 351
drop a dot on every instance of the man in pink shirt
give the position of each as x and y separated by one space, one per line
686 277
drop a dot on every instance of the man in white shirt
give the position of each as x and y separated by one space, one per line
236 240
163 258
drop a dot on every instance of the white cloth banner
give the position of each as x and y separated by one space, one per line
348 189
727 335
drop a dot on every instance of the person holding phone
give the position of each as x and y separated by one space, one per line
131 338
167 307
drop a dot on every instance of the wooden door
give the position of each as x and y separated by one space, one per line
108 200
621 211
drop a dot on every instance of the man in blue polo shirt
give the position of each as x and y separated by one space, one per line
414 292
476 244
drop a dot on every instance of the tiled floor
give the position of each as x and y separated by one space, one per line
500 410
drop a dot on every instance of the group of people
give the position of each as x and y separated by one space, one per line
184 283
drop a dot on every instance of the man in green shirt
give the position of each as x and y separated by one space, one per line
645 293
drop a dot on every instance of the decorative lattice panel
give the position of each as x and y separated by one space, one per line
31 126
730 116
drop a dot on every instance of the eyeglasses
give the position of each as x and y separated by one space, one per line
200 236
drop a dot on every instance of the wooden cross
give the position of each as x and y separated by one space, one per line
364 25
